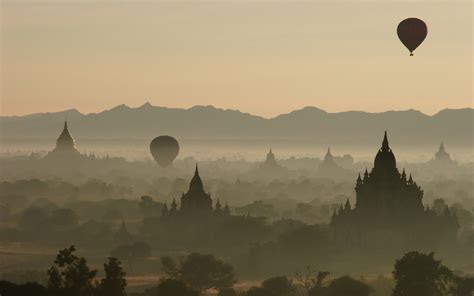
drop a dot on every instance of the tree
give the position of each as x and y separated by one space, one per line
227 292
173 287
258 291
114 282
439 206
200 272
345 285
419 274
8 288
140 250
70 275
275 286
169 267
279 286
148 206
63 218
33 219
465 286
311 280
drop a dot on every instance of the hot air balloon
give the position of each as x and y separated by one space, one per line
164 150
412 32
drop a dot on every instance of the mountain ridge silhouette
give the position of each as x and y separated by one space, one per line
208 122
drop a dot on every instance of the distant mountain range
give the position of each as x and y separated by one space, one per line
309 124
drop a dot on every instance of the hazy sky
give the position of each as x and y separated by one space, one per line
260 57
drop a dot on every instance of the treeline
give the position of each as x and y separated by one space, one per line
201 274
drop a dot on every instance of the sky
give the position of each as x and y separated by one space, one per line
260 57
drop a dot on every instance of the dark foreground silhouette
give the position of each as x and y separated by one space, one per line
415 274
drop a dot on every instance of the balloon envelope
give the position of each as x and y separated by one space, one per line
164 150
412 32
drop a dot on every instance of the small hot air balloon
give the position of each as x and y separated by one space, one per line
164 150
412 32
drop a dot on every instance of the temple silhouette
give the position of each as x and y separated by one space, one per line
389 205
270 168
442 159
195 201
65 147
270 162
122 235
328 166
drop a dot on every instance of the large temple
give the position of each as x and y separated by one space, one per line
195 201
65 146
388 205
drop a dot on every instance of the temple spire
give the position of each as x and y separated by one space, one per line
385 146
196 182
226 209
65 141
196 171
347 207
164 211
218 205
366 174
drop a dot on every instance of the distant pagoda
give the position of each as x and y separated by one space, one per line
65 146
329 165
270 161
442 156
195 201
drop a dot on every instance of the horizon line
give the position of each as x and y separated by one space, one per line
149 105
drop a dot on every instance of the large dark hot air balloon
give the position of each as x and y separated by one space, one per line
164 150
412 32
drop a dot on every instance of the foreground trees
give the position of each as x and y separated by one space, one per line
415 274
200 272
8 288
275 286
173 287
114 282
346 286
71 276
419 274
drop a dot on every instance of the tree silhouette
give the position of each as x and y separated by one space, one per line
114 282
419 274
227 292
279 286
465 286
173 287
70 275
258 291
200 272
148 206
33 219
345 285
63 218
275 286
34 289
311 280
